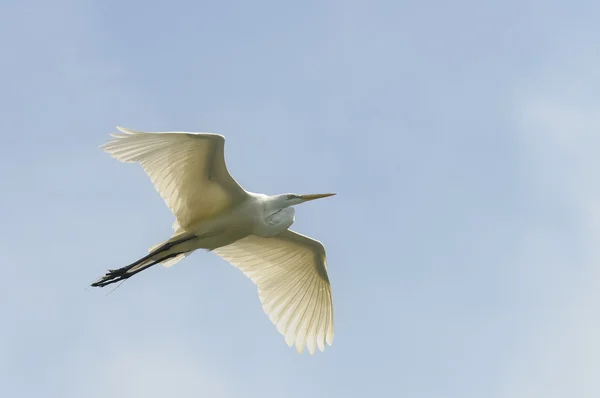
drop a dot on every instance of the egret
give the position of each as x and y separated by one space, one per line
249 230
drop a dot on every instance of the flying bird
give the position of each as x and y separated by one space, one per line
249 230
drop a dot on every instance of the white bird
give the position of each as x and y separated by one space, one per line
213 212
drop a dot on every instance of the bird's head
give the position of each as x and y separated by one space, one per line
292 199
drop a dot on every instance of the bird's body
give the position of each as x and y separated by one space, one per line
213 212
254 216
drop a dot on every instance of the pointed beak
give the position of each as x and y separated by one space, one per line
306 198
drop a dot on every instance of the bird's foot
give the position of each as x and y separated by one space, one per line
112 276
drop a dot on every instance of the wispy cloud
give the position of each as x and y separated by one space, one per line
153 369
558 118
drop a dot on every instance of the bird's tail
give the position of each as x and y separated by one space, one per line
168 253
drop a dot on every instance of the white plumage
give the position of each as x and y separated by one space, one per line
290 272
249 230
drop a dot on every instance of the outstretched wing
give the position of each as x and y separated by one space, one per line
291 274
187 169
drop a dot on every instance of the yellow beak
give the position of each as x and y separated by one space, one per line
306 198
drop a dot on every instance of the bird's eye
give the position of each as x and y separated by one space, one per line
291 196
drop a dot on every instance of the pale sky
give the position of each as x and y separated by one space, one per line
461 137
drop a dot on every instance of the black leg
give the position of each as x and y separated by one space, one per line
113 276
156 251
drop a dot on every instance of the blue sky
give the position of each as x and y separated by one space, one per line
462 246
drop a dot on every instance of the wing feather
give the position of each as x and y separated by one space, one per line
290 271
187 169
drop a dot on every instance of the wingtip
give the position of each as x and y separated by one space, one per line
299 346
329 339
126 130
290 339
321 345
104 145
